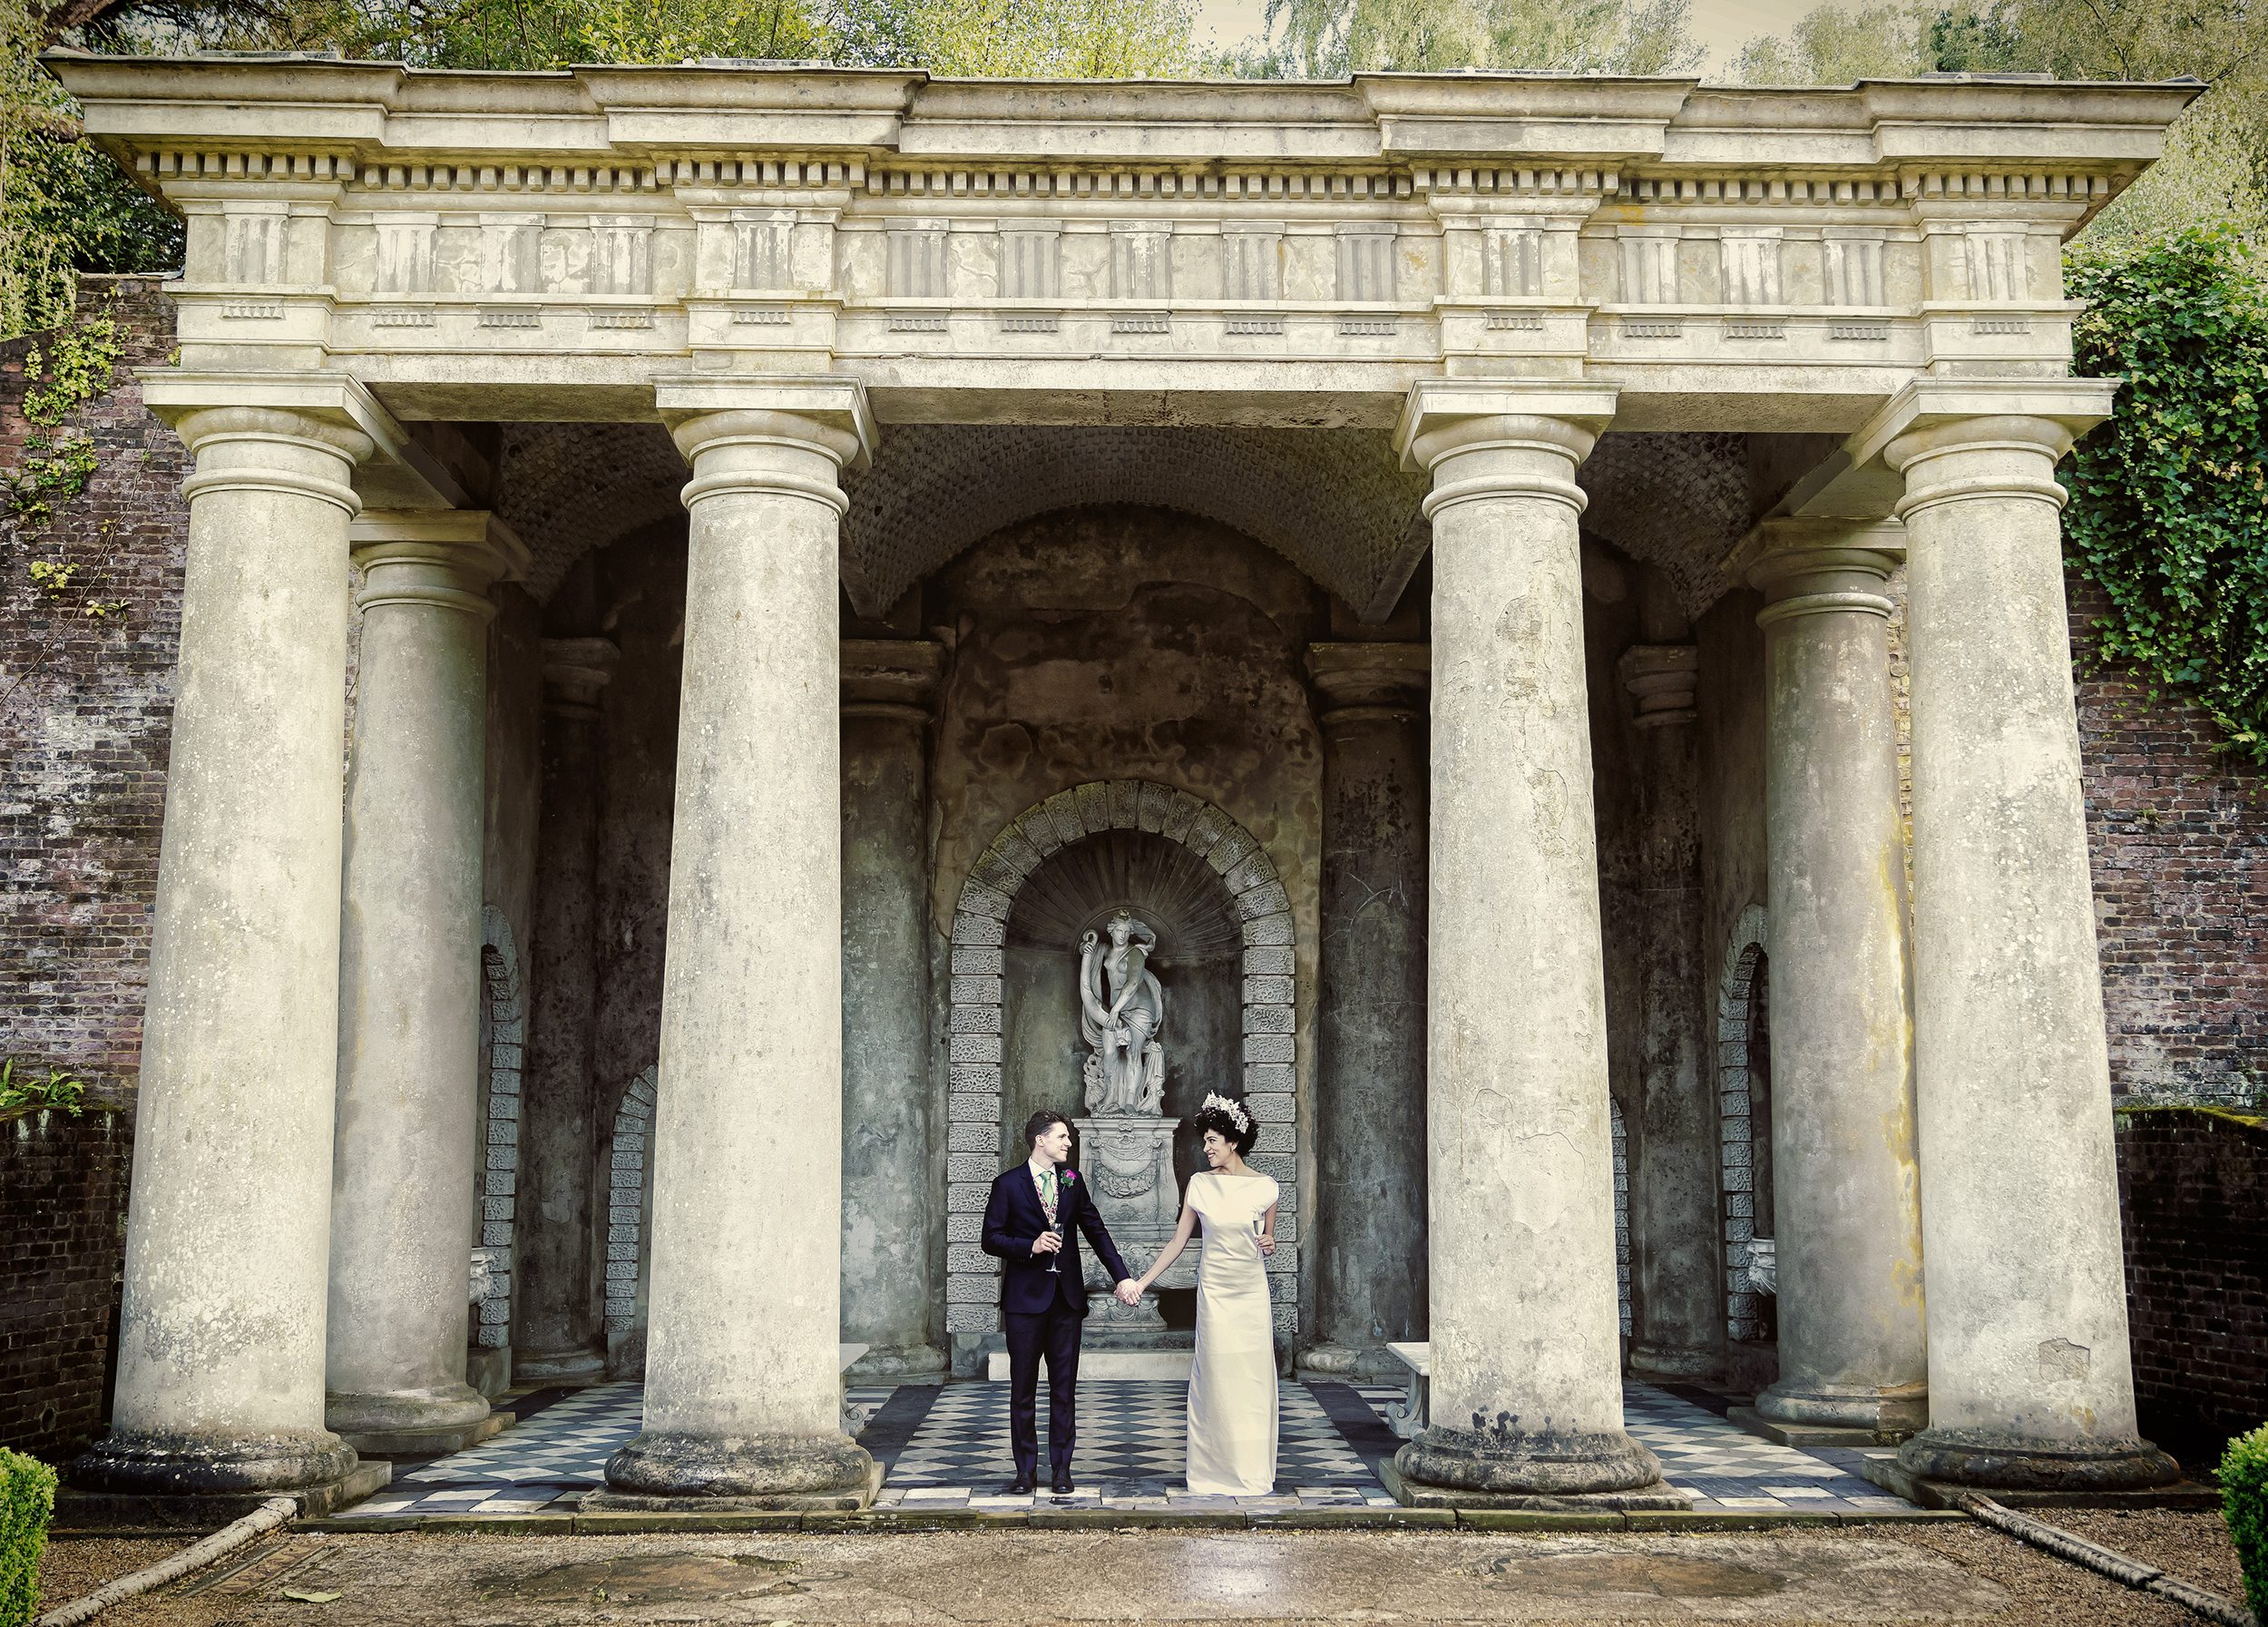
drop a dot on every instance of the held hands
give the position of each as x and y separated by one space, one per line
1267 1242
1128 1292
1047 1242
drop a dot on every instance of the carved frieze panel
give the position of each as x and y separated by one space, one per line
1141 260
1366 263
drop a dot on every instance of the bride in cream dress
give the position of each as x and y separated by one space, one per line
1232 1380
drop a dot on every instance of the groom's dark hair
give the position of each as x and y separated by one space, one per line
1038 1126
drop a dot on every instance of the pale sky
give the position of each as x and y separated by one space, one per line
1721 25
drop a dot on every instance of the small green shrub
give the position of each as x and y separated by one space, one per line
58 1090
27 1501
2244 1505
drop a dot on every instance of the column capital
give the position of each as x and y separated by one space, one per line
1441 417
1358 681
1948 437
772 423
1662 679
890 678
447 557
574 671
1807 567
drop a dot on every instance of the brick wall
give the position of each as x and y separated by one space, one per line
86 708
2193 1189
62 1228
2180 844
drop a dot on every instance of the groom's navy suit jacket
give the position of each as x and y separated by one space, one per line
1013 1221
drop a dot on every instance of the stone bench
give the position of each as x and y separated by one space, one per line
1407 1419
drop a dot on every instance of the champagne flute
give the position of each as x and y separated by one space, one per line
1055 1260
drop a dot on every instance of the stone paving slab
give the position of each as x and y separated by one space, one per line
943 1452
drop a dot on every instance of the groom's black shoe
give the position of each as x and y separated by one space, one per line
1021 1486
1061 1485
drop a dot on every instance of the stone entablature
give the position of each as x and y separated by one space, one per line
1712 250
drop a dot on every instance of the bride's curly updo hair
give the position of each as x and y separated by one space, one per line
1232 1120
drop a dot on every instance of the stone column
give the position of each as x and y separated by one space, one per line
409 985
1370 1056
220 1379
1676 1241
1526 1391
2030 1379
561 1337
1846 1188
889 688
742 1388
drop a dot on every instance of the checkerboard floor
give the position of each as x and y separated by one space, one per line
947 1446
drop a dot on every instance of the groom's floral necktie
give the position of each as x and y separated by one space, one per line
1045 1181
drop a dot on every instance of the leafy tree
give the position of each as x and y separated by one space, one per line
1835 44
1326 38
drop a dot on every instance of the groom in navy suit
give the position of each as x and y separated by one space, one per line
1032 1222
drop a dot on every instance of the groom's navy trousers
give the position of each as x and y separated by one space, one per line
1043 1312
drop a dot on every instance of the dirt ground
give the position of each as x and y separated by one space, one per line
1942 1573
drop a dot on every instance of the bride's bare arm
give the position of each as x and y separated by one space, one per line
1267 1230
1169 1253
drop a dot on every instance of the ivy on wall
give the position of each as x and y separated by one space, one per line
2169 499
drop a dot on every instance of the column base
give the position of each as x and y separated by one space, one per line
77 1510
1989 1459
1531 1465
446 1417
1825 1416
1351 1364
185 1464
1675 1363
581 1364
657 1471
894 1362
1657 1498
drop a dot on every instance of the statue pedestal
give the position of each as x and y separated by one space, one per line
1126 1163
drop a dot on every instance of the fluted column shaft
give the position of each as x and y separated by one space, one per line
1847 1196
888 688
1527 1395
1676 1237
1369 1054
2030 1382
556 1299
742 1396
219 1375
401 1197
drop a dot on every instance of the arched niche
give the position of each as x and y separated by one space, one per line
1093 834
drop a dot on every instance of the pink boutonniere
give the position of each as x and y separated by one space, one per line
1071 1177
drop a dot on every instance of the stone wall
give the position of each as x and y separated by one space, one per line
2180 843
86 707
63 1229
2193 1191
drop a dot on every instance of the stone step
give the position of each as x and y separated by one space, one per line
1106 1366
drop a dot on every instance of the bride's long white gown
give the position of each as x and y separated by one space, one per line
1232 1381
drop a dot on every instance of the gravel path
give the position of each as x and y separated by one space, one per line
1879 1573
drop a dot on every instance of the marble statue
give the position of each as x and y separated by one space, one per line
1122 1009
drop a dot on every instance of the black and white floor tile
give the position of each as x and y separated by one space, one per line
947 1447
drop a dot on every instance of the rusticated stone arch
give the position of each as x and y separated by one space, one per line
506 1028
980 937
1735 1010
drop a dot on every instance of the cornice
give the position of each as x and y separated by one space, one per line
647 118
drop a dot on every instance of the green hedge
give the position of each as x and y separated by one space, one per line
2244 1505
27 1500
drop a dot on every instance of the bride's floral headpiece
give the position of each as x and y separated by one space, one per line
1235 1110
